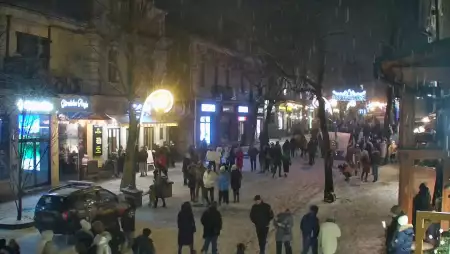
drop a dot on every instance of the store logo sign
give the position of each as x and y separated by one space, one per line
97 140
79 103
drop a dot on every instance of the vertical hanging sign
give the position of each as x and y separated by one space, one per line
97 140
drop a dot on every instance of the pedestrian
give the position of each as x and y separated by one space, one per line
128 223
46 245
277 157
211 158
186 163
224 185
375 160
240 158
405 236
240 248
199 185
103 240
283 224
192 180
365 163
231 159
5 249
143 244
84 236
312 149
261 214
293 146
421 201
253 153
328 236
286 164
392 229
268 162
212 225
158 185
120 160
309 226
142 160
236 179
14 247
186 228
286 147
209 181
303 145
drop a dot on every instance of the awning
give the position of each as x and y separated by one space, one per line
87 116
146 120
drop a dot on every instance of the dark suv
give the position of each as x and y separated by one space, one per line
62 208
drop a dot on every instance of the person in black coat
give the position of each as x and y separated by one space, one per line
186 228
212 225
392 229
421 202
186 163
310 230
253 153
236 179
261 215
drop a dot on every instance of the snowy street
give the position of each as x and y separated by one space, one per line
359 210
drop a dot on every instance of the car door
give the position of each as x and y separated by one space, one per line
107 205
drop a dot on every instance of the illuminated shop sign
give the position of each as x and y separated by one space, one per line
243 109
74 103
349 95
242 118
228 109
41 106
260 110
97 136
208 108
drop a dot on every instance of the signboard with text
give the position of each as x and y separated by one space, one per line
74 104
97 136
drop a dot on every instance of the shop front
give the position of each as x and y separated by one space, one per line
206 123
32 124
242 118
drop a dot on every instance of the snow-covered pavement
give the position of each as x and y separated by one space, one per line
359 210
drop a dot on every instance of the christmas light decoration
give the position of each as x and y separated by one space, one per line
349 95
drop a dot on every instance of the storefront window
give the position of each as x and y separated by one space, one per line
205 129
113 140
148 137
34 148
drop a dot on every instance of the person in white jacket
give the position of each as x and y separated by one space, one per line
209 181
328 237
212 157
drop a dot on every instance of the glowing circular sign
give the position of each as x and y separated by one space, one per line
160 101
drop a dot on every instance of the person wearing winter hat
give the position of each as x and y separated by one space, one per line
46 245
84 236
392 229
405 236
224 185
328 235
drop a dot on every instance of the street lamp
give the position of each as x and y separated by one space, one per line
160 101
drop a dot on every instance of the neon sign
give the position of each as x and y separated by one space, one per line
74 103
34 106
349 95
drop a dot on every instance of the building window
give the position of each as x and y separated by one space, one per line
161 133
148 137
113 72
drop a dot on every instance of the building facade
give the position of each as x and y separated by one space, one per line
60 97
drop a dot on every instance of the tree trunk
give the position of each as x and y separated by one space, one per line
388 118
264 136
326 150
19 186
19 204
129 172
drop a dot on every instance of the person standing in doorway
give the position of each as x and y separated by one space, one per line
261 214
309 226
252 153
212 225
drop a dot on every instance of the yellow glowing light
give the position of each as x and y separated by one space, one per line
161 100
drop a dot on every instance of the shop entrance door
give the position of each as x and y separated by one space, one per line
241 130
113 140
205 129
35 155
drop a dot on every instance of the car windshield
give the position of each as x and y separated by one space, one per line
53 203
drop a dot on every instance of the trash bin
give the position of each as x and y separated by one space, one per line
133 194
